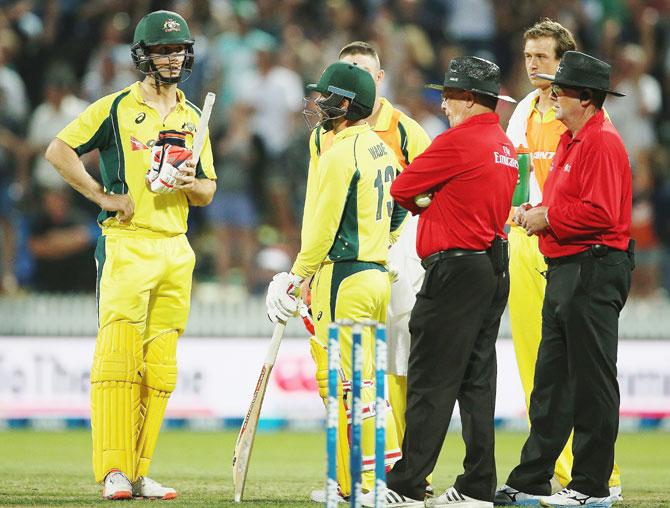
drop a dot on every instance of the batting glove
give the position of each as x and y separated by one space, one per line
167 156
282 297
306 315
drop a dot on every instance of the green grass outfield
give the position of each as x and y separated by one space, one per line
53 468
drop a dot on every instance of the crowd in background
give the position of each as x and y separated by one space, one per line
57 56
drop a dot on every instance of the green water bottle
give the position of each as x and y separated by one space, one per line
521 191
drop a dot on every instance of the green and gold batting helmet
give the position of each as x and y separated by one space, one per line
162 28
340 81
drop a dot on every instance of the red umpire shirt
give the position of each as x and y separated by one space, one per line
471 169
588 191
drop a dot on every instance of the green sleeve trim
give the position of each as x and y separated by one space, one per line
112 160
317 140
403 142
100 139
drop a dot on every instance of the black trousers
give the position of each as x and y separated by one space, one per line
576 376
454 326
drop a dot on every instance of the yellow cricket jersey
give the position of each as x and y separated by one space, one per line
348 213
124 128
403 135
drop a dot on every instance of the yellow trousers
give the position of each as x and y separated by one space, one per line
526 296
144 287
356 291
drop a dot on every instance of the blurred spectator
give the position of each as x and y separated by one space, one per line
233 214
59 108
62 241
110 67
276 93
635 114
13 111
234 57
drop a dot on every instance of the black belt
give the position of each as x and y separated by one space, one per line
451 253
596 251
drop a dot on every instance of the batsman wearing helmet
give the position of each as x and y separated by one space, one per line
348 220
407 139
144 260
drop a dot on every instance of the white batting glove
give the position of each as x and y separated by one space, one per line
166 179
282 298
166 158
154 170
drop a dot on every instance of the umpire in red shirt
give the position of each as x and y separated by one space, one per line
583 226
470 170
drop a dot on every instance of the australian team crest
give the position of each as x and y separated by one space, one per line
171 25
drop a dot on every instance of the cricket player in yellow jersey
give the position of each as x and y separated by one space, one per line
533 125
145 262
348 220
407 139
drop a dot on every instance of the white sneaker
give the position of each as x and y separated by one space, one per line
569 497
146 488
392 499
454 498
615 494
507 496
319 496
117 486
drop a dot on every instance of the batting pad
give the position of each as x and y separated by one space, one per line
159 382
115 398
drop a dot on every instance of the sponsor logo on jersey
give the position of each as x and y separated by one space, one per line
566 168
136 144
506 159
188 126
140 118
543 155
171 25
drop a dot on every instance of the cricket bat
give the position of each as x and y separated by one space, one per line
201 130
245 441
157 185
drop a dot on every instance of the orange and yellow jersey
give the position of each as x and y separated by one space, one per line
543 133
348 213
403 135
124 128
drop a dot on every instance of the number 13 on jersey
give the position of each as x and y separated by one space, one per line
389 175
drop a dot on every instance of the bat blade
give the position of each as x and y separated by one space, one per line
201 130
245 440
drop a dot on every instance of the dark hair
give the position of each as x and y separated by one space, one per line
486 100
598 98
548 28
359 48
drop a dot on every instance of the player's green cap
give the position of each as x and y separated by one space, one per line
348 81
162 27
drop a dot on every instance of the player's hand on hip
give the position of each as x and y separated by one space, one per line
282 299
185 177
122 204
